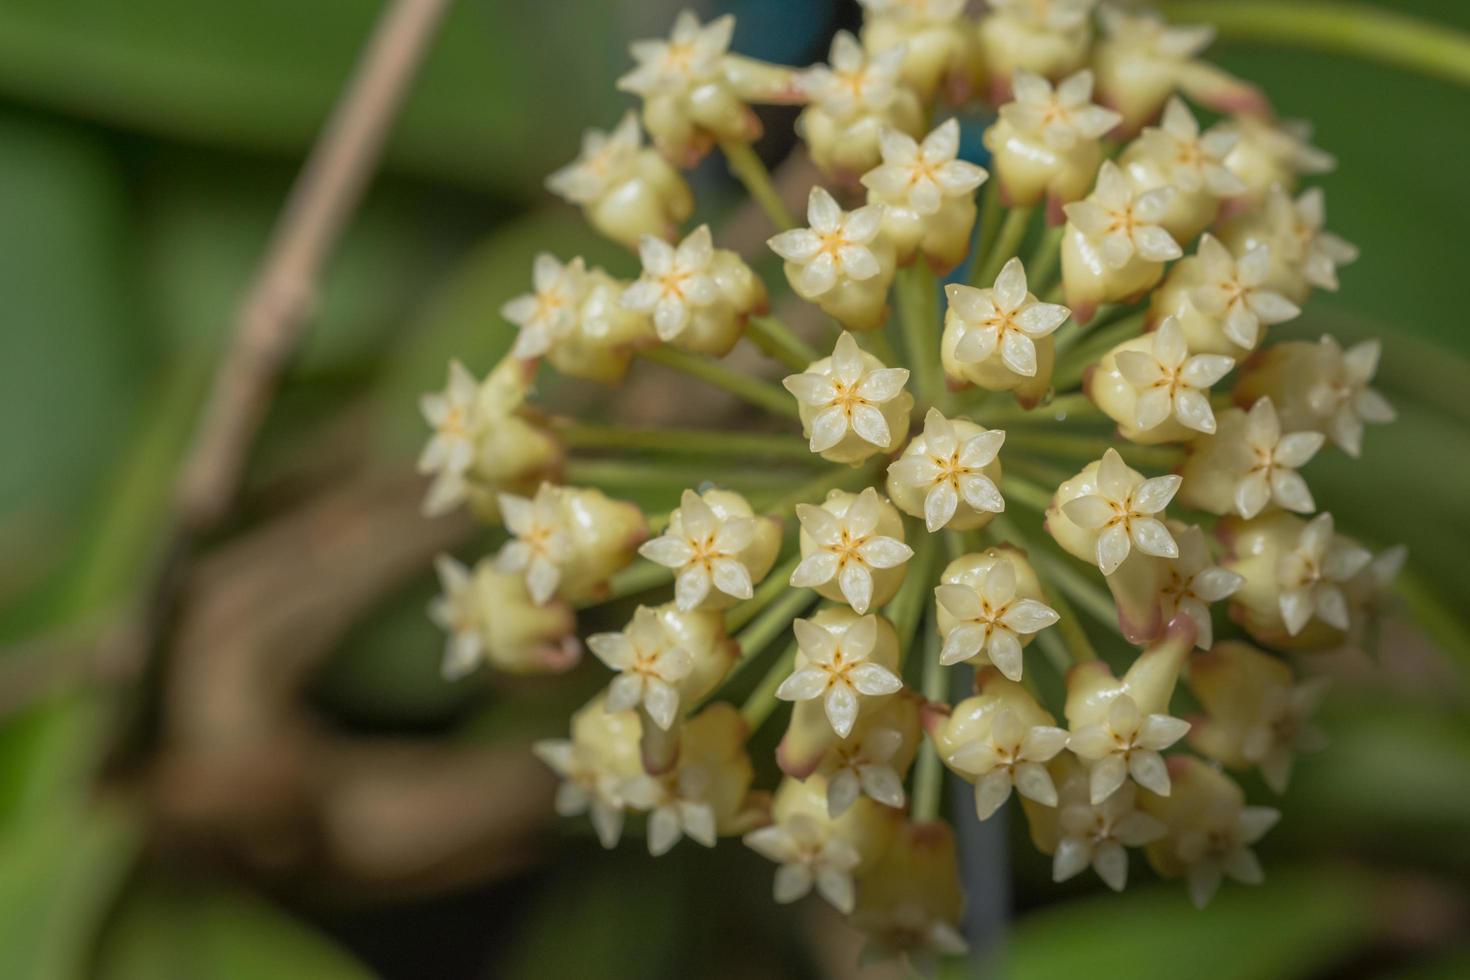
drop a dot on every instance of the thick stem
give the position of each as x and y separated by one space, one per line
682 441
1004 249
751 171
1041 267
761 394
916 293
776 339
991 213
634 580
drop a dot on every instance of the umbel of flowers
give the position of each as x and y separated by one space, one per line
1088 429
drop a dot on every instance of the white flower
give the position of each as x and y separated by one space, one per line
854 83
1007 319
603 162
848 397
1123 221
920 176
1194 582
541 545
835 248
1343 397
808 856
675 281
1189 162
452 414
1126 744
929 11
1061 116
703 548
650 667
691 55
1274 461
1224 849
585 787
991 620
848 549
1283 729
1232 292
947 470
1097 835
1150 33
865 769
838 671
1321 251
549 312
456 612
1054 15
678 806
1013 756
1312 576
1123 513
1171 382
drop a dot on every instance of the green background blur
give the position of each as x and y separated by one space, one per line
390 825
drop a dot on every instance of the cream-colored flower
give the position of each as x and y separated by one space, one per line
1177 155
1168 381
911 901
595 765
1047 142
1050 38
650 667
1270 152
991 620
1123 513
936 38
1003 739
717 553
865 767
851 405
809 855
840 261
837 668
948 474
1114 246
549 312
1312 576
1275 458
456 611
1098 835
1303 254
851 101
454 416
541 544
1126 743
1221 302
843 544
1319 386
676 283
991 335
928 195
1195 581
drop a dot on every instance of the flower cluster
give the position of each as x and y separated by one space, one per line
985 467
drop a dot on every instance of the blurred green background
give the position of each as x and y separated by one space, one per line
294 792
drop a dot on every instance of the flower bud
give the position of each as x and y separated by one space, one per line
1048 142
1319 387
1113 247
717 548
872 761
851 102
1156 388
1210 829
852 549
1219 301
1049 38
851 405
1255 713
988 608
1001 338
1001 739
949 474
1249 465
488 615
939 46
698 296
625 190
1177 155
910 905
1270 152
595 765
1303 255
841 262
928 195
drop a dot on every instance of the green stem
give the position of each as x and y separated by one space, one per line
875 342
682 441
1071 368
1070 446
1004 249
771 623
762 701
751 171
1025 492
1074 405
928 773
1356 29
916 295
761 394
991 213
635 580
776 582
1041 267
1069 627
818 486
777 340
906 609
1437 614
623 475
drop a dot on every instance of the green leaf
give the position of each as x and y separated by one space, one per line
172 930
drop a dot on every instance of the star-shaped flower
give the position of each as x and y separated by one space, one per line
585 787
808 855
854 82
1284 729
1321 252
1097 835
692 54
1189 161
1007 318
1171 382
675 281
1056 15
1061 116
991 620
703 548
1150 33
1312 576
604 160
540 545
549 312
1344 398
1126 744
1013 756
1232 292
1274 459
838 670
457 613
452 414
1123 221
848 549
848 396
1223 849
835 246
948 470
1194 582
678 806
920 176
1123 512
649 665
865 769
